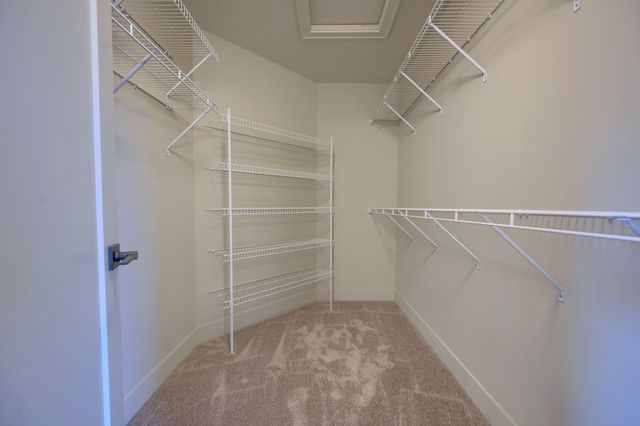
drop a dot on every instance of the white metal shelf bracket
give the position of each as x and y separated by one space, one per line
187 75
459 49
428 215
410 80
528 258
635 227
419 230
399 226
413 129
133 71
184 132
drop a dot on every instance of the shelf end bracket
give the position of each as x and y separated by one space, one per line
428 215
635 227
413 129
399 226
133 71
526 257
459 49
426 95
417 228
184 132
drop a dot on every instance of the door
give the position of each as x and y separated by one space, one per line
59 331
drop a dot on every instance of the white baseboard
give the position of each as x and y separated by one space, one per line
487 404
360 294
135 398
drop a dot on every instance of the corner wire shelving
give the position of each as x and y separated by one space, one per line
147 35
513 219
449 27
235 294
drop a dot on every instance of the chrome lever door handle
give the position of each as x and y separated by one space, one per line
117 257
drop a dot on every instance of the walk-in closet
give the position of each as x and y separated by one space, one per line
320 212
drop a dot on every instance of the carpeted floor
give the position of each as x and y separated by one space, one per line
362 364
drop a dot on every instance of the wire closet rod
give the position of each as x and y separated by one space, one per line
631 220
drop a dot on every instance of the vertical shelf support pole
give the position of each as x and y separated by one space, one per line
459 49
419 230
187 75
427 215
413 129
526 257
230 225
331 226
133 72
184 132
410 80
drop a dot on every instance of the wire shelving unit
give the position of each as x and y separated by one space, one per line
501 220
148 37
234 293
444 35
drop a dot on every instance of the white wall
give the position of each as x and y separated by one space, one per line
50 347
155 216
554 128
366 175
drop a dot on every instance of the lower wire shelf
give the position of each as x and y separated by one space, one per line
241 253
258 289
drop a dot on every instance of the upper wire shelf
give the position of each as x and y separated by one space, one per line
172 27
139 58
255 211
143 60
268 132
242 253
449 27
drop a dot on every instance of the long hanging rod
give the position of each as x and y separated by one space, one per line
630 219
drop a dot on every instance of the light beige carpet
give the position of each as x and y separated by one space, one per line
362 364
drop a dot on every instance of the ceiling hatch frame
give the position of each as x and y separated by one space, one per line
345 31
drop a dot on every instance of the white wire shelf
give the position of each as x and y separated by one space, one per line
172 26
268 132
256 211
258 289
512 218
242 253
266 171
450 26
153 70
521 219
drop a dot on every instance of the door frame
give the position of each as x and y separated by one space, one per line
105 211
